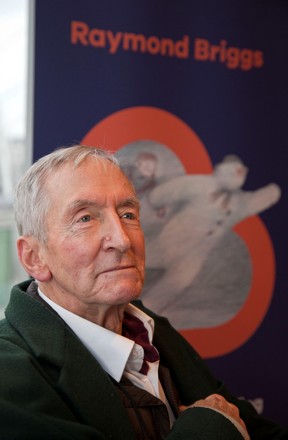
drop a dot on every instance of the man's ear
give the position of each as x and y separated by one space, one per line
29 254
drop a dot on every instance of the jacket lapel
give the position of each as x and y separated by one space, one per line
188 371
77 375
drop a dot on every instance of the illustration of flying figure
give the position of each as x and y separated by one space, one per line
196 212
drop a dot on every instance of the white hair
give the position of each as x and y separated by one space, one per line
31 203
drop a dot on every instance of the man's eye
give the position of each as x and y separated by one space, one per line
85 218
129 215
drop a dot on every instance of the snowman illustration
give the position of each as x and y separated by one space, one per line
184 218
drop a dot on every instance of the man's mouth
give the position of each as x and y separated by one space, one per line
117 268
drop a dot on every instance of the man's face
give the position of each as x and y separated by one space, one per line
95 247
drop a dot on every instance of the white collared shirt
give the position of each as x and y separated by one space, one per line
116 354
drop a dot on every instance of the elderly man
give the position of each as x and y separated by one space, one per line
79 358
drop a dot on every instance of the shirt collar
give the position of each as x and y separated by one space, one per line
108 348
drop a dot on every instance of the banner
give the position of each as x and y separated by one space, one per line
192 96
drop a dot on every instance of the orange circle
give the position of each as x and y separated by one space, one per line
222 339
150 123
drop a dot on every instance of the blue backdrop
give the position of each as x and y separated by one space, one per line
188 83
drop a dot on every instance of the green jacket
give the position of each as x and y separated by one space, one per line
51 387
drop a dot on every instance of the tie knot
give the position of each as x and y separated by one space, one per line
134 329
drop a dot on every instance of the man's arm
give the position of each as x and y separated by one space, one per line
218 403
203 423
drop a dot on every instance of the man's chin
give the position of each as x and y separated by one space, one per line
127 295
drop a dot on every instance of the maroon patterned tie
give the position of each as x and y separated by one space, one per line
134 329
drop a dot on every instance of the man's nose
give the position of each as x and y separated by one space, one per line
115 235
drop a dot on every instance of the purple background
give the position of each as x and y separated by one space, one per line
232 111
